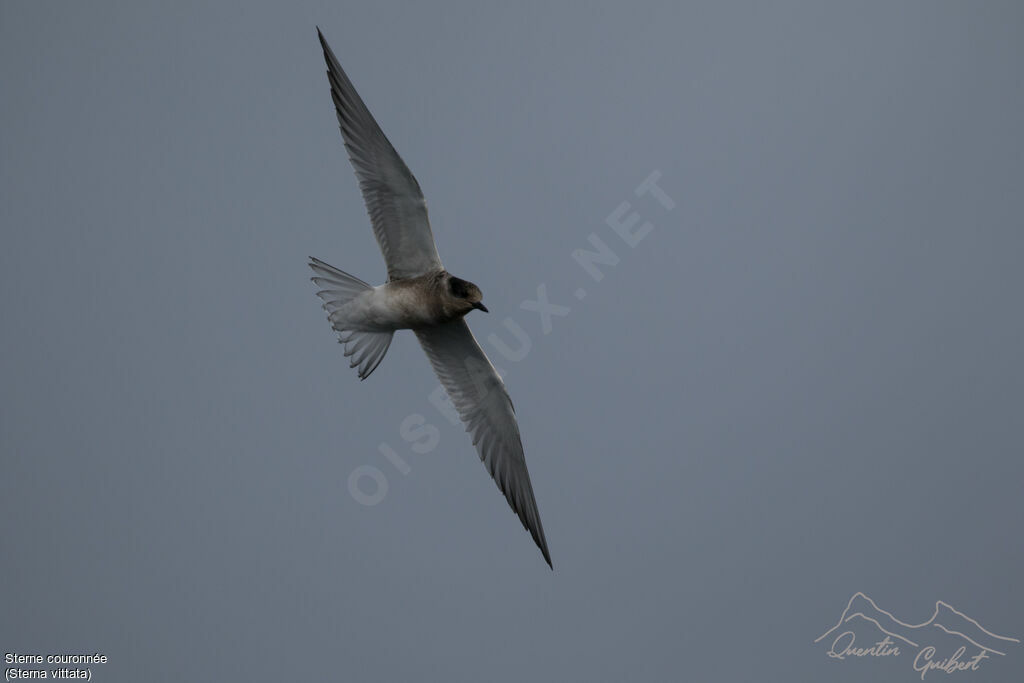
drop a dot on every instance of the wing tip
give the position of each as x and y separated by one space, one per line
542 543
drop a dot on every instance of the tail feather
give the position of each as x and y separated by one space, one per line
336 282
370 352
367 349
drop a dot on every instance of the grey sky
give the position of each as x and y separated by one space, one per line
805 381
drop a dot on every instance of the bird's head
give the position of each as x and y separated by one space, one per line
465 295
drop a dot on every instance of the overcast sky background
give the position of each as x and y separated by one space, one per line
804 382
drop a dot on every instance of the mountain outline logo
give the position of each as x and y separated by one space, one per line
935 640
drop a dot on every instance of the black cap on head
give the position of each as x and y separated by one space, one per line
458 287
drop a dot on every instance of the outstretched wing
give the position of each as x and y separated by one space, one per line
392 195
483 403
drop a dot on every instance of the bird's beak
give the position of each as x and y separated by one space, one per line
481 307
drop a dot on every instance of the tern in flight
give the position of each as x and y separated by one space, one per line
420 295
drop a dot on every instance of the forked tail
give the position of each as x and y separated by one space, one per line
337 288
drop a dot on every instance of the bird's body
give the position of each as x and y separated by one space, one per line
405 304
420 295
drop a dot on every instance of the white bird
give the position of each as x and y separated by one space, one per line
422 296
